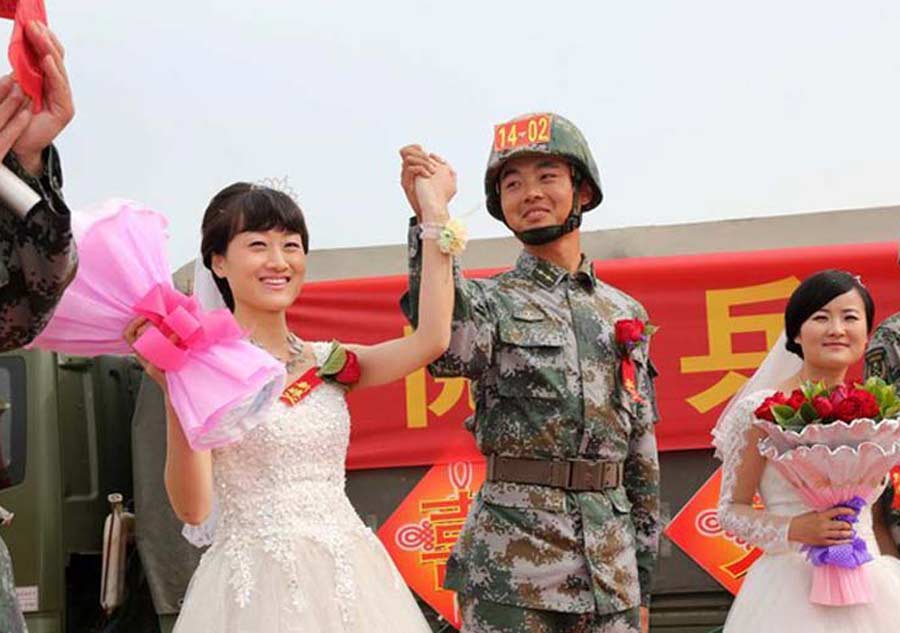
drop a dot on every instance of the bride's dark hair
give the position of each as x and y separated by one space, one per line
813 294
246 207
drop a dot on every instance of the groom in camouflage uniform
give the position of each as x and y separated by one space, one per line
563 535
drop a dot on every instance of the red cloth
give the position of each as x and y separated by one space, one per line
25 61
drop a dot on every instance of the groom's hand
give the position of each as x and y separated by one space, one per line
645 620
58 110
15 113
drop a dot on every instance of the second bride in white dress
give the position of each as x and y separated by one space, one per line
827 319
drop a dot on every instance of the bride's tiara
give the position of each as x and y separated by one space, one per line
280 185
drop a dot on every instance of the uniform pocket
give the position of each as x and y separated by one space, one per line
529 357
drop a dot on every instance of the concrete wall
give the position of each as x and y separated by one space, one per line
807 229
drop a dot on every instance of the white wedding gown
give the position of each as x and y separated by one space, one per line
775 593
289 553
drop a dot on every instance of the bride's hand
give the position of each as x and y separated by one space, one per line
436 191
821 528
132 333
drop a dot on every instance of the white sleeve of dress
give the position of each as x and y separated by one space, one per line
203 534
757 527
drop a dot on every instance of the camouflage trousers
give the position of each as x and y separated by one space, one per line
483 616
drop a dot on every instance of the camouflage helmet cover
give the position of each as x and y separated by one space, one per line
544 133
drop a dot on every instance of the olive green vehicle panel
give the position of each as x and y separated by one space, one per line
76 415
35 537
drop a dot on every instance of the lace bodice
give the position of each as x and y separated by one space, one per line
768 528
284 482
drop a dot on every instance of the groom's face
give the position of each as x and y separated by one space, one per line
537 191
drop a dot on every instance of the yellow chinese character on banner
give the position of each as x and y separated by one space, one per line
417 406
444 521
721 325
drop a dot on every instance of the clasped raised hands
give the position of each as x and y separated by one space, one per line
428 181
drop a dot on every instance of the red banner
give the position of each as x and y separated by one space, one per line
718 315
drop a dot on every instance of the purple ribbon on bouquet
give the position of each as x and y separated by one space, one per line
847 555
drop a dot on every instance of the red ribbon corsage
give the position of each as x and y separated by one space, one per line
629 334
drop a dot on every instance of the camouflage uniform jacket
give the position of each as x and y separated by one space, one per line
538 345
37 256
883 360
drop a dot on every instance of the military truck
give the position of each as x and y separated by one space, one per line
80 429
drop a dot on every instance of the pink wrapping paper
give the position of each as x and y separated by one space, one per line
827 465
218 382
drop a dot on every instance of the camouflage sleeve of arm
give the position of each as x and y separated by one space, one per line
642 481
42 258
883 354
471 340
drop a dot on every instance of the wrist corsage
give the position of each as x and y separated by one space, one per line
451 237
629 334
341 366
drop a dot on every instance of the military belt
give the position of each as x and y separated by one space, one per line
573 474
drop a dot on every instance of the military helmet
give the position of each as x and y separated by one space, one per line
544 133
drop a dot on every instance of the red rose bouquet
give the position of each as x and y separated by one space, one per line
835 447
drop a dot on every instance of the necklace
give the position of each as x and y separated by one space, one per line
295 352
295 345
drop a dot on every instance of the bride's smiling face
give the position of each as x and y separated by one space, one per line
835 335
265 269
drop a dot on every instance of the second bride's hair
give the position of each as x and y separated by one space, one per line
817 291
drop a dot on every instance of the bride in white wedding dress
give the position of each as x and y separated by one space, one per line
827 321
288 552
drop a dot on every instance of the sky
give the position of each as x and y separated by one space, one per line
695 110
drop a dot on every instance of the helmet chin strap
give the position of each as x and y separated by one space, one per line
547 234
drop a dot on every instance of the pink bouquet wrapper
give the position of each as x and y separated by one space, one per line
218 382
829 465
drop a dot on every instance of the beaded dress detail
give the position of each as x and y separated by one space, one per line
289 552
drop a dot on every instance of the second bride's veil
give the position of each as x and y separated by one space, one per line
778 365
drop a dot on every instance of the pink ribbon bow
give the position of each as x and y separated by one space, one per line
173 313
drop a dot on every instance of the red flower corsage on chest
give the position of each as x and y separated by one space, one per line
629 334
341 367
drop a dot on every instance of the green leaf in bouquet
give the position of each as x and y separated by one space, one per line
881 394
890 395
812 389
808 413
891 412
337 358
783 413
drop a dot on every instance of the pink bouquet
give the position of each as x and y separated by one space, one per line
217 381
835 447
